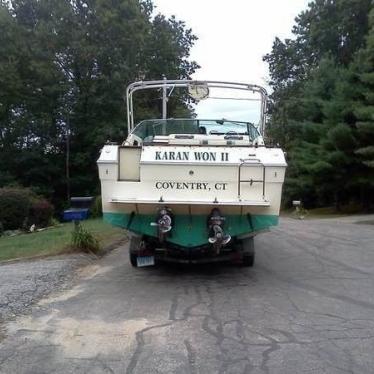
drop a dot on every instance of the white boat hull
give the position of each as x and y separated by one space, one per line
244 182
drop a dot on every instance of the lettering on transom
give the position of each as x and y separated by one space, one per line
205 186
203 156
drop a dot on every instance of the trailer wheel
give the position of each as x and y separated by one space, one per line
134 247
248 252
133 260
248 261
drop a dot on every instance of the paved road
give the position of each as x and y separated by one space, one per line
306 307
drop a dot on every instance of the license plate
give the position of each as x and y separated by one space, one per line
145 261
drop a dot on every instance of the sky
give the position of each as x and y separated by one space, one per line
233 37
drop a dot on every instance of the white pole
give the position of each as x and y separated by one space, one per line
164 100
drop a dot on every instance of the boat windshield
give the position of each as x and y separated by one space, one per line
148 129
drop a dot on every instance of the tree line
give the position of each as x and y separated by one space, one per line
64 66
322 104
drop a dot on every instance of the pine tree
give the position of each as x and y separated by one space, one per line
321 111
364 109
364 112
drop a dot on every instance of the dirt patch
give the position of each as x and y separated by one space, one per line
80 338
112 246
65 295
91 271
88 338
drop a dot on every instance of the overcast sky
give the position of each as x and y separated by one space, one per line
235 34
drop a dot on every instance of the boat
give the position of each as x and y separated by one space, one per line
193 189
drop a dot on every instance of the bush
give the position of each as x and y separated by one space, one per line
14 207
83 240
21 208
1 229
41 213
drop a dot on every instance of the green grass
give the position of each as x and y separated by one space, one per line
55 240
370 222
325 212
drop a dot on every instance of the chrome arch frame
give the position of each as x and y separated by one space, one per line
167 83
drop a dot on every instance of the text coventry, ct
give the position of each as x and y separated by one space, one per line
190 186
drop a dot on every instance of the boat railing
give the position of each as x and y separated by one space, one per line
252 162
167 86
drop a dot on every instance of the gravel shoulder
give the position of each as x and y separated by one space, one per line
23 283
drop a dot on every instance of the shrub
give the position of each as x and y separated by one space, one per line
41 213
21 208
83 240
1 229
14 207
97 210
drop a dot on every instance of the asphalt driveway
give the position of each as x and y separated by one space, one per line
306 307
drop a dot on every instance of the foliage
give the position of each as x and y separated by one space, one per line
41 213
21 208
83 240
14 208
322 105
63 68
97 210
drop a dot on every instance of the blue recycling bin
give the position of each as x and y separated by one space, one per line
80 209
77 214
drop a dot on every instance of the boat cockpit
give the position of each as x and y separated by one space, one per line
194 132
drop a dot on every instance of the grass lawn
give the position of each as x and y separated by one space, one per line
326 212
370 222
55 240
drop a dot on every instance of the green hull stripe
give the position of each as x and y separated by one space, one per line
191 231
